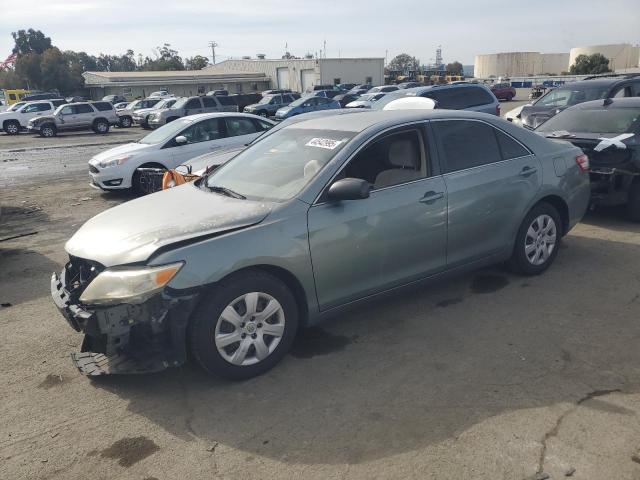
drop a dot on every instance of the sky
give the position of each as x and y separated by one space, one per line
375 28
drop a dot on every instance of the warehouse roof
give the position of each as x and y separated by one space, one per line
186 76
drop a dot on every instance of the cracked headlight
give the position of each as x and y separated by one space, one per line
128 285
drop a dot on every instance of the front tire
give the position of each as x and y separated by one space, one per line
538 240
48 130
245 327
126 122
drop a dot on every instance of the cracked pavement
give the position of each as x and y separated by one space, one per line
486 376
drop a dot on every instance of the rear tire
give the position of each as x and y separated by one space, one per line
248 350
137 183
48 130
11 127
509 98
538 240
101 127
633 202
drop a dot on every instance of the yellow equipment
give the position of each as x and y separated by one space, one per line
14 96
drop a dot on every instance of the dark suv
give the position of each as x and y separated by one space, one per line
459 96
270 104
595 88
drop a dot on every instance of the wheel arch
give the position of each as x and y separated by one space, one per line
96 120
561 206
286 277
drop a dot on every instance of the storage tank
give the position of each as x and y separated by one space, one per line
620 55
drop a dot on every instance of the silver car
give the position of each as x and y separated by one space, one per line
319 215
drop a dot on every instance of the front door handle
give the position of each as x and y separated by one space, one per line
528 171
431 197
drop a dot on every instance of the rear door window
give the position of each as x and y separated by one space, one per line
193 103
83 108
209 102
103 106
240 126
474 97
466 144
509 147
36 107
262 126
227 101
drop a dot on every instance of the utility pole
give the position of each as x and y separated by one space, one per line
324 48
213 46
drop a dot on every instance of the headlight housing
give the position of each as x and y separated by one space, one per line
128 284
112 162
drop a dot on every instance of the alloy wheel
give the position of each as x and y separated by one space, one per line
47 132
540 240
12 128
249 329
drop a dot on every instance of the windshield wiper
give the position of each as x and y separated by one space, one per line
226 191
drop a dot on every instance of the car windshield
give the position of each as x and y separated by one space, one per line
371 97
601 120
165 132
280 165
563 97
265 100
298 102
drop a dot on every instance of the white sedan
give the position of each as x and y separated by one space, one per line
173 144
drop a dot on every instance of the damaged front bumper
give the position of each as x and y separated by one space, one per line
126 338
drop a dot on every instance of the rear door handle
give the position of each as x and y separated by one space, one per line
431 197
527 171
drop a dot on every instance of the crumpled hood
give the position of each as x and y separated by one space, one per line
126 149
131 232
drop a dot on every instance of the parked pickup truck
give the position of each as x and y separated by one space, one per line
96 116
13 121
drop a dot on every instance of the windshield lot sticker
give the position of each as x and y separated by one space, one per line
327 143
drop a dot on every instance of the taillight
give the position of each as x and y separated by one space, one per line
498 109
583 162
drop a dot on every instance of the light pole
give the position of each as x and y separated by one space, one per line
213 46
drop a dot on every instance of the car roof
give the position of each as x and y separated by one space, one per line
594 82
368 118
625 102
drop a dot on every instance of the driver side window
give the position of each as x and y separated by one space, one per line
66 110
393 159
554 99
203 131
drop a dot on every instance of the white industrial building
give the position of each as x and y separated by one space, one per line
301 74
621 57
511 64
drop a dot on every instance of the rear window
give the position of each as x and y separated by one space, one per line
460 98
103 106
509 147
602 120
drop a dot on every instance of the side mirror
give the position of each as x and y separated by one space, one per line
349 189
181 140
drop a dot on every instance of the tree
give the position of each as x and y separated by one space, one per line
30 41
404 63
590 65
196 63
54 71
28 69
455 68
166 59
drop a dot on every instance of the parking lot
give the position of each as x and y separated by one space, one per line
486 376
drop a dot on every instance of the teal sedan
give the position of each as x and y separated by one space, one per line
322 213
306 105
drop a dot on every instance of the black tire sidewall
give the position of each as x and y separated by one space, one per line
203 323
126 122
519 262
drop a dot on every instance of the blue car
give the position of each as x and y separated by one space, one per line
305 105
